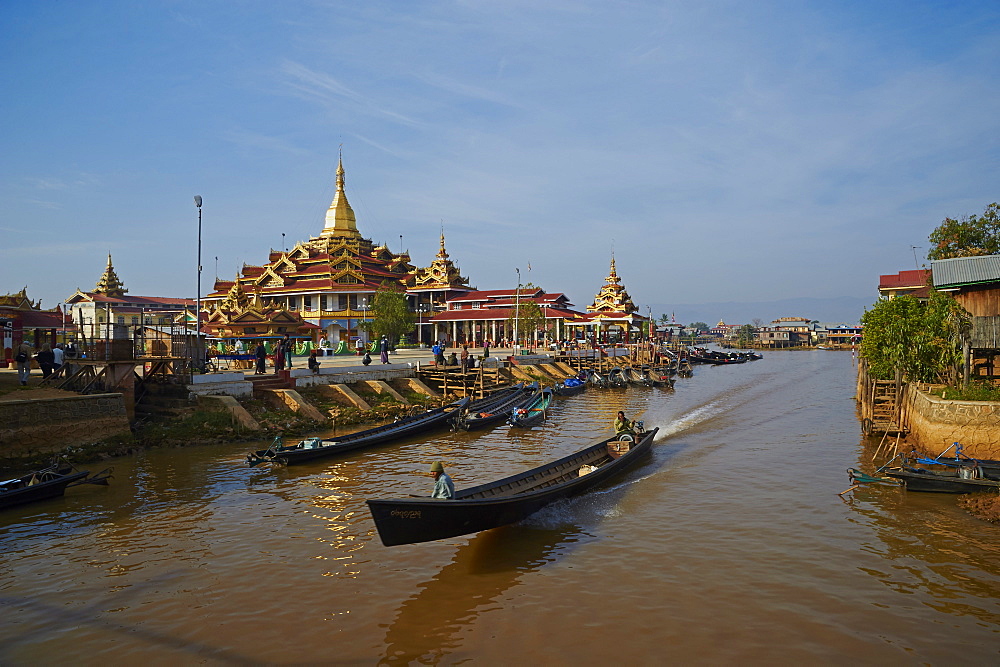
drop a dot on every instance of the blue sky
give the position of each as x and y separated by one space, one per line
724 151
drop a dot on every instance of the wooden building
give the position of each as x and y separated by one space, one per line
974 282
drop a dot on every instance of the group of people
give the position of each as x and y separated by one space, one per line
464 358
51 360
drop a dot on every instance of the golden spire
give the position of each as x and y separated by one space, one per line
340 220
109 284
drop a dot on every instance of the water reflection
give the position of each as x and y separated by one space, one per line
428 626
924 543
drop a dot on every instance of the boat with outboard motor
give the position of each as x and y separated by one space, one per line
507 500
571 386
315 448
480 415
532 412
48 482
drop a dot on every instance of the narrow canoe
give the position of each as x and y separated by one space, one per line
316 448
959 480
46 483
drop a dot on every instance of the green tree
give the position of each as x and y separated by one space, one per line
967 237
529 315
921 340
529 318
390 315
745 335
699 326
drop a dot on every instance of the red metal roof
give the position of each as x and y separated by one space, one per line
904 279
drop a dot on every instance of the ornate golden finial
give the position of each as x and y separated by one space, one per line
340 220
109 284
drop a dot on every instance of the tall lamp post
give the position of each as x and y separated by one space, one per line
197 315
517 303
364 319
420 323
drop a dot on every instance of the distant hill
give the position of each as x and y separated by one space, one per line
843 309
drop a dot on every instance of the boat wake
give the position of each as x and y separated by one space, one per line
688 421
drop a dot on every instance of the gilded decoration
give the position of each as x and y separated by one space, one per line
109 284
613 298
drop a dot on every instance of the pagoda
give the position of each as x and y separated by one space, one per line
110 303
109 284
613 310
331 279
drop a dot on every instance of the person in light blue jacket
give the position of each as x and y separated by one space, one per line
443 486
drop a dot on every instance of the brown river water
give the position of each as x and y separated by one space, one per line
729 545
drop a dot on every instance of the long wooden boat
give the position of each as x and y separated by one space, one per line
599 380
49 482
481 415
966 479
637 376
507 500
569 387
316 448
534 412
662 377
616 377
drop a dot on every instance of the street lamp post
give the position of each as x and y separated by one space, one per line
197 315
517 303
420 324
364 316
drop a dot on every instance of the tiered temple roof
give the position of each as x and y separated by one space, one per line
339 260
109 284
612 299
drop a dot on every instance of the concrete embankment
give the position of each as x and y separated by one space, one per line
935 423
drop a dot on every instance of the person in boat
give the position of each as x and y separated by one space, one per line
623 425
443 486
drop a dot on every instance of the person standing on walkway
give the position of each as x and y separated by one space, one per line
59 357
383 348
436 351
287 347
465 358
279 356
46 360
260 354
22 357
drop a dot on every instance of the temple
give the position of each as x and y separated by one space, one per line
109 306
330 280
613 315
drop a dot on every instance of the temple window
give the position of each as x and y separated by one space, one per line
307 303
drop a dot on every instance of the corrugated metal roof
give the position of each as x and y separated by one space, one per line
966 271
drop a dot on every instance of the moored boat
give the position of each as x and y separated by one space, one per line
532 412
964 479
507 500
616 377
638 377
46 483
315 448
570 386
481 415
662 377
